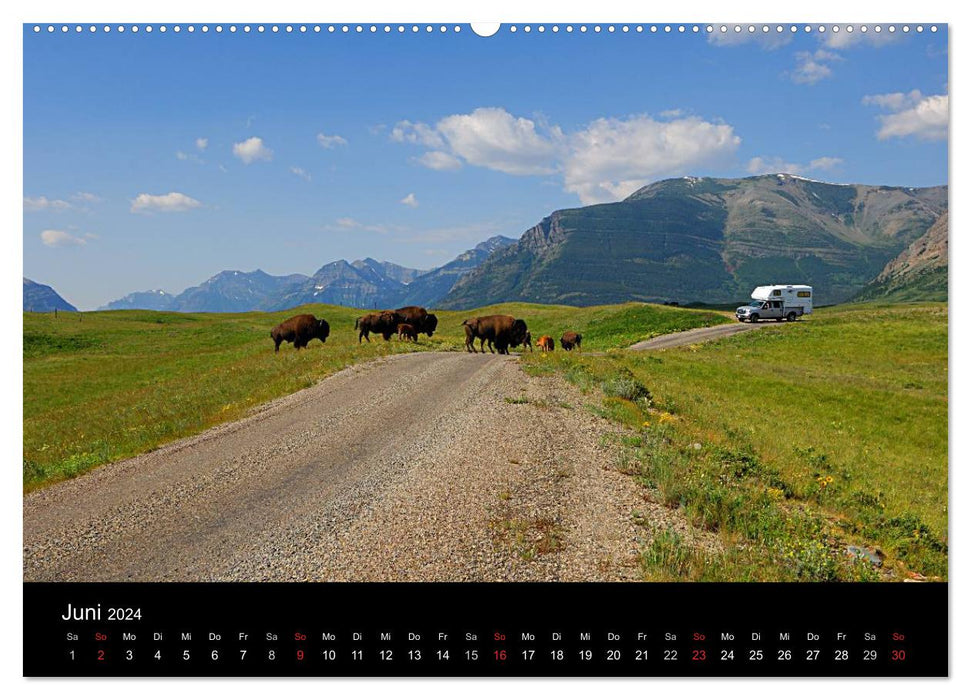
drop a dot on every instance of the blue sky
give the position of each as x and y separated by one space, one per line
155 161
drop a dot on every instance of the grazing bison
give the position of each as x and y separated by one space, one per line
406 330
383 322
503 331
300 330
546 344
570 340
418 317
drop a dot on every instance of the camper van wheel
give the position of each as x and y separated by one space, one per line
791 317
754 318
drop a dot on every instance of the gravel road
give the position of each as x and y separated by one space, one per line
417 467
695 335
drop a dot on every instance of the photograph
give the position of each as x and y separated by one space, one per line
445 304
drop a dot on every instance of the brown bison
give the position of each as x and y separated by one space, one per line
406 330
300 330
469 336
570 340
546 344
383 322
418 317
503 331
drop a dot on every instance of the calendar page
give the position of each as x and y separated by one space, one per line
545 349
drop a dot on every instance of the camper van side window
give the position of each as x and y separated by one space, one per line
803 295
777 292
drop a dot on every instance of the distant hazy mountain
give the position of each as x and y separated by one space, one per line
339 283
431 287
919 273
387 270
40 297
705 239
364 283
233 290
152 300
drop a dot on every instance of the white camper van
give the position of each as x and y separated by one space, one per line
778 301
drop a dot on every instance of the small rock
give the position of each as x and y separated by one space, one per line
874 556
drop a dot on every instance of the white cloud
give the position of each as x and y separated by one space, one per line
60 239
490 137
346 223
825 163
762 165
410 200
86 197
44 204
416 132
612 158
202 143
331 141
893 101
813 66
767 40
844 39
911 114
439 160
300 172
171 202
182 155
605 161
251 150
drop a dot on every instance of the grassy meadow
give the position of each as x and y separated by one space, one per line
106 385
790 444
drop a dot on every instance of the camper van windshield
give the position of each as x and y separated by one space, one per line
757 304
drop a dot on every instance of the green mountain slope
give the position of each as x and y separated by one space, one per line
919 273
705 239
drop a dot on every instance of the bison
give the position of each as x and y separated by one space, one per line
300 330
503 331
406 330
527 341
383 322
570 340
469 336
546 344
418 317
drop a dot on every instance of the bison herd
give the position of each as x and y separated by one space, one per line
498 331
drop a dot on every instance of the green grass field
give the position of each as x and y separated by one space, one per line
791 443
114 384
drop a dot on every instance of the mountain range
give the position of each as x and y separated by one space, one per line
42 298
689 239
364 283
707 240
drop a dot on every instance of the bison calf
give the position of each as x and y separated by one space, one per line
300 330
546 344
570 340
406 330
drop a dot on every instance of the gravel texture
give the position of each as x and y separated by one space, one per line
418 467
